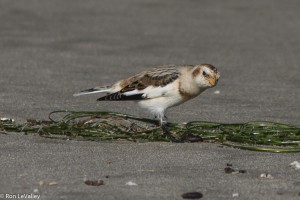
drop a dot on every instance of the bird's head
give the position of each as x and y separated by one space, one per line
205 75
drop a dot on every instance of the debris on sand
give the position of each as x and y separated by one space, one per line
266 176
234 195
230 170
131 183
94 182
295 165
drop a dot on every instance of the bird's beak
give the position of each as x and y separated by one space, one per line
213 81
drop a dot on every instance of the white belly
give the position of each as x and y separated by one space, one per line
158 105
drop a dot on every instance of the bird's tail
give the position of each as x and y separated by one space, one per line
94 90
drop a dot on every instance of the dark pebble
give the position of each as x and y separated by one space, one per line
229 165
106 176
94 183
242 171
228 170
192 195
280 193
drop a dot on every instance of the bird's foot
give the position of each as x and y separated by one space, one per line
163 121
169 135
190 138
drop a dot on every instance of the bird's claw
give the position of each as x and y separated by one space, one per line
167 133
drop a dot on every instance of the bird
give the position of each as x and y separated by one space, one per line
159 88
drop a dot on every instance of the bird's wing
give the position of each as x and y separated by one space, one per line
145 85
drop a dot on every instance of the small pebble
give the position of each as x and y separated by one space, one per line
229 170
41 183
217 92
242 171
266 175
235 195
35 190
192 195
280 193
94 182
6 119
229 164
131 183
53 183
295 165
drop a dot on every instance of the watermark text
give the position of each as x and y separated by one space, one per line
20 196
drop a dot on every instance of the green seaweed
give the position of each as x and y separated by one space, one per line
109 126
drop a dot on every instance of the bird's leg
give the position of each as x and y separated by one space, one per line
163 120
166 131
157 118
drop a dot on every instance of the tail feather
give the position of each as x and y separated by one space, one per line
94 90
117 96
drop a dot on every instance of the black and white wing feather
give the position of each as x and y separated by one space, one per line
135 87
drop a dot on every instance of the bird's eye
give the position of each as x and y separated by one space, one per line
205 74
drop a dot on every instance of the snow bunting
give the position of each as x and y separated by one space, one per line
160 88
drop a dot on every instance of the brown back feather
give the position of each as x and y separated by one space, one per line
158 76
